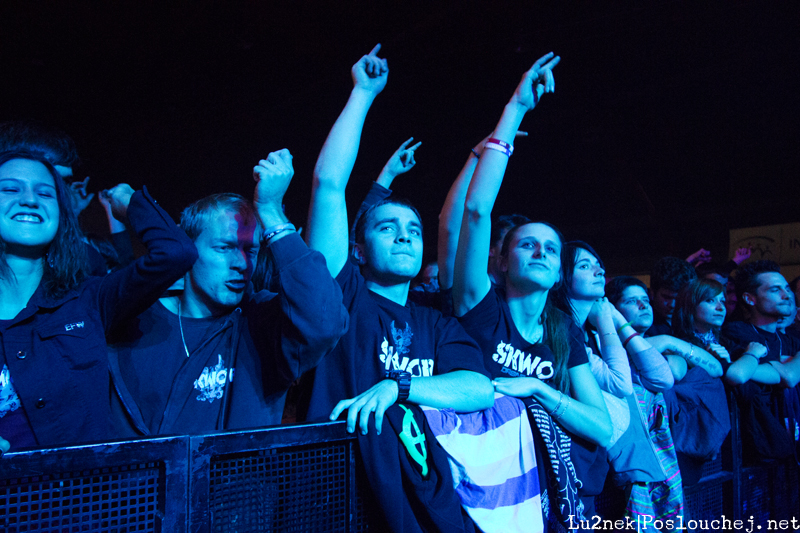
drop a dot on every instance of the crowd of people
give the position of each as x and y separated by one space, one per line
504 392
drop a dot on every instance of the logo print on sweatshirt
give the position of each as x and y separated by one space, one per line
521 362
390 355
211 382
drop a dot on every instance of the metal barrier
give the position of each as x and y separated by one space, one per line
285 478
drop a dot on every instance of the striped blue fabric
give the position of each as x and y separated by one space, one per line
493 462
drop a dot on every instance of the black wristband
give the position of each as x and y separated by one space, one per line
403 380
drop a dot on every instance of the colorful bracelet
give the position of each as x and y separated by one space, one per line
626 341
499 148
504 144
623 326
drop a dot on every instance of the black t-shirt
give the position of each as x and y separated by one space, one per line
158 367
505 352
737 335
386 336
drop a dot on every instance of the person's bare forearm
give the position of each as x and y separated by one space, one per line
462 390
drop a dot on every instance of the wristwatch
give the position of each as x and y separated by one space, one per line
403 380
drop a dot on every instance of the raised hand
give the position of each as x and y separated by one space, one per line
536 81
272 176
371 72
699 257
401 162
118 198
742 254
80 198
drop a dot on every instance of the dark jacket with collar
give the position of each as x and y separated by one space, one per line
268 342
56 349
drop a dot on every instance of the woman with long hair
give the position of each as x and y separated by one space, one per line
530 348
633 376
700 311
54 386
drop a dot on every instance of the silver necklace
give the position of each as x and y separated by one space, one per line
180 326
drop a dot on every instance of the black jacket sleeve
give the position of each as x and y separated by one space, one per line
170 254
305 319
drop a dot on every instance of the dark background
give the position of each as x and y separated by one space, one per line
672 122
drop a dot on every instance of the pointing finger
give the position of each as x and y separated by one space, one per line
415 146
375 50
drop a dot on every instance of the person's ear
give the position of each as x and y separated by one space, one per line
358 254
502 263
748 298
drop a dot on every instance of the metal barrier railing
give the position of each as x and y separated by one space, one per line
285 478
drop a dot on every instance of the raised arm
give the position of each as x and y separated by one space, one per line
327 229
402 161
170 254
470 279
307 318
120 238
453 212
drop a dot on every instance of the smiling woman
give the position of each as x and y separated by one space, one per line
36 224
53 316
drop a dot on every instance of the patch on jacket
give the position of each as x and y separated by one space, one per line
211 382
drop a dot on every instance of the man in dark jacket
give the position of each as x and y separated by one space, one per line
218 356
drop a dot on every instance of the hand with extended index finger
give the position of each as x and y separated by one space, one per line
80 198
370 72
536 81
272 176
403 159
